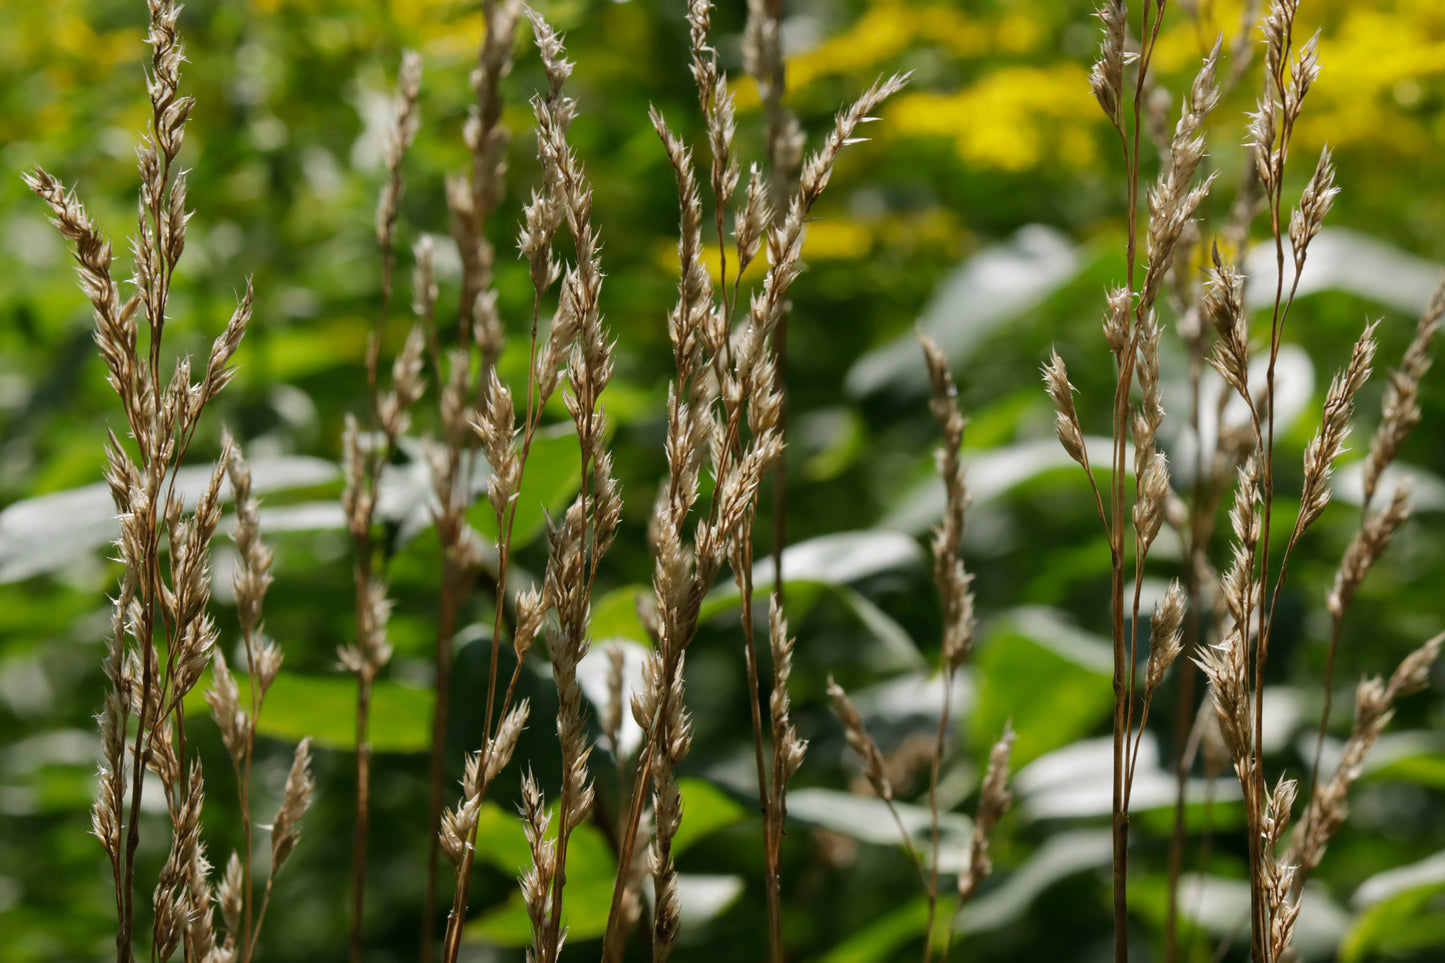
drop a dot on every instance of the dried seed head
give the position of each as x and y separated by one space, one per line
1066 423
231 895
1118 308
1413 674
1328 441
253 574
407 384
993 801
1401 404
224 700
536 879
1107 76
504 743
295 800
752 221
860 740
423 279
1153 492
788 749
549 45
405 124
1365 548
1319 195
1175 198
1165 636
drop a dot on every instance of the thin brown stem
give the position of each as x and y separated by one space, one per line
612 943
260 917
446 630
939 745
743 562
248 934
363 813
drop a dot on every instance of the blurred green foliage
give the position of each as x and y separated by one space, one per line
996 132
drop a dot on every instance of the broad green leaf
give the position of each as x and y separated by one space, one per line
1402 912
992 474
1342 260
881 939
1417 757
1063 855
501 841
587 897
703 897
832 438
998 907
898 652
294 351
324 708
995 285
869 819
724 599
706 809
1077 781
1220 906
1427 489
614 615
552 475
44 533
833 562
843 557
1050 678
585 906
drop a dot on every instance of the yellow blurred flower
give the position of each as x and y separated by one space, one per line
827 239
1011 119
890 28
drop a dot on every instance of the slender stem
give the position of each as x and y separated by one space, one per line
938 748
505 521
612 943
1337 624
743 565
261 917
446 630
363 801
248 936
1184 710
124 951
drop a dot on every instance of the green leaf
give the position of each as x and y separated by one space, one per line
49 531
1064 855
843 558
898 652
324 708
881 939
992 474
801 596
1415 756
1219 906
614 616
1402 912
706 809
501 841
1051 678
869 819
552 475
995 285
587 898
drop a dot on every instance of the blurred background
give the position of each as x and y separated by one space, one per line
987 208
